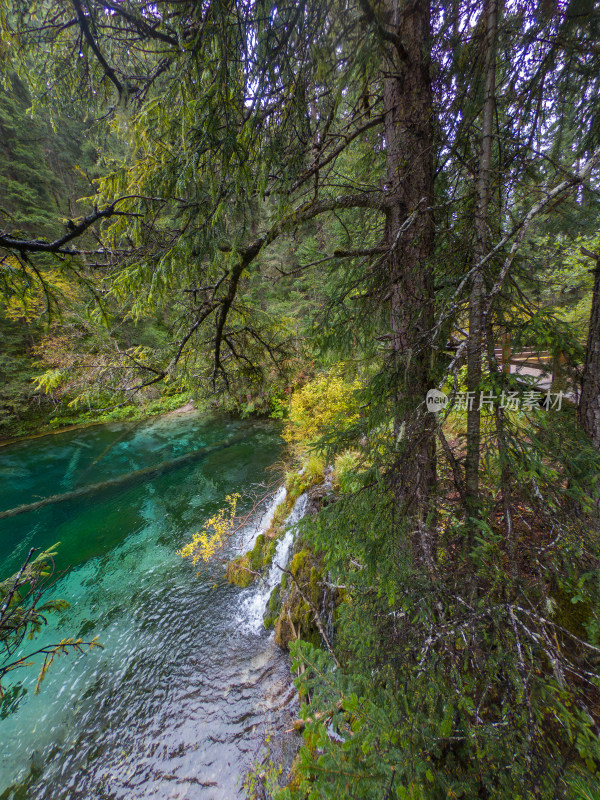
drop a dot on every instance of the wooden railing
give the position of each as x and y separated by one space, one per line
525 358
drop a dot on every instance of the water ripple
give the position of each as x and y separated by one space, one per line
178 702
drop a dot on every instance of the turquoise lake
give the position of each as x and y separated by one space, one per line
178 702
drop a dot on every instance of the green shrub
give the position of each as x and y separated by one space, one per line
345 471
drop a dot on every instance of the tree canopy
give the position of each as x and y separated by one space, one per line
393 186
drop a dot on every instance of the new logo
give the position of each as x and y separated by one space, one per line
435 400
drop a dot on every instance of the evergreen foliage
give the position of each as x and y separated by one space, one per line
23 613
403 188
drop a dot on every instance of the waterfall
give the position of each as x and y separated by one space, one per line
253 606
266 519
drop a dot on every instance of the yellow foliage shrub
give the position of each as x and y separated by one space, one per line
324 402
206 542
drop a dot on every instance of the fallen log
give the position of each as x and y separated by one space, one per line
130 478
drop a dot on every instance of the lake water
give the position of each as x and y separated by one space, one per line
179 701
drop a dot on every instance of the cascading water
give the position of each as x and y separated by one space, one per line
249 537
253 607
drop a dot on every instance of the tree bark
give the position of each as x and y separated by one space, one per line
589 405
408 131
476 299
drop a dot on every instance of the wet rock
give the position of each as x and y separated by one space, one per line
300 595
239 572
321 494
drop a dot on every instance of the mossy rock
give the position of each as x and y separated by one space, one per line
281 512
296 617
262 553
283 631
273 608
256 554
296 620
298 562
269 551
307 568
238 571
296 491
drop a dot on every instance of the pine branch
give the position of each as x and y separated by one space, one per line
76 230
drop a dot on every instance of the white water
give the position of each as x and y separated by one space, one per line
265 520
254 605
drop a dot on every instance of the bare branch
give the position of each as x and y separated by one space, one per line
85 29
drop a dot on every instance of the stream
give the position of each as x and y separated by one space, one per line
178 702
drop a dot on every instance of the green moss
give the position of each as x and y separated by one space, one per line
315 584
269 551
256 554
281 512
238 571
296 616
274 599
298 561
296 485
263 551
273 608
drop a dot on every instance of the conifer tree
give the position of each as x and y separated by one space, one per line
410 150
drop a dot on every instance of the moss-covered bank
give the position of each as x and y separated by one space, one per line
36 426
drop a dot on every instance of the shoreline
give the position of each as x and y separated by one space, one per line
184 409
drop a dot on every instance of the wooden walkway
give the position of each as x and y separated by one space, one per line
528 363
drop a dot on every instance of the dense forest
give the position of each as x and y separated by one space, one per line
340 214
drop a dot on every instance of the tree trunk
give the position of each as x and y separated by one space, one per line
589 405
408 130
476 299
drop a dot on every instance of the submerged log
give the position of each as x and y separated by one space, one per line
130 478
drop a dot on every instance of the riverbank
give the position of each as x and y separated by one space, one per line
164 406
